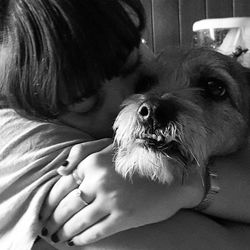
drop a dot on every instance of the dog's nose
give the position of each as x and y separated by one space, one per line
159 112
145 111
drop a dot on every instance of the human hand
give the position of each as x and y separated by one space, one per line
114 204
67 182
79 152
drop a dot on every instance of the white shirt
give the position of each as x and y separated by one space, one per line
30 153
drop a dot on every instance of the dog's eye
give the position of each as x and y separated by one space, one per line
216 89
145 83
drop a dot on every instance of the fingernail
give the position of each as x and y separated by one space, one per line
54 238
44 232
71 243
65 164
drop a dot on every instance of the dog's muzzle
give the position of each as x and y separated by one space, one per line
149 137
157 113
158 117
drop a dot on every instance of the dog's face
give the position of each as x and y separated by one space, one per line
200 111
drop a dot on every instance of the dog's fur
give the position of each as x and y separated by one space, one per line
201 111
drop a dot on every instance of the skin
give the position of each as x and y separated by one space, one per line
122 203
175 232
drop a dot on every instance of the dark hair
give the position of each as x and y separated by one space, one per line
63 45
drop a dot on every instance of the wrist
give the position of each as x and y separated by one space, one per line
194 190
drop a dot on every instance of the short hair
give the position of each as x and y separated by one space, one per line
63 45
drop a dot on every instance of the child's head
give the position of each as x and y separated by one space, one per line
54 52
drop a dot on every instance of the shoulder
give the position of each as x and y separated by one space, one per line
26 134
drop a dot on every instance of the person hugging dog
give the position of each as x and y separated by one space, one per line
65 68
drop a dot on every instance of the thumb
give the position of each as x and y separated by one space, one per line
79 152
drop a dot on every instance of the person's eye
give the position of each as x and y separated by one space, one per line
83 105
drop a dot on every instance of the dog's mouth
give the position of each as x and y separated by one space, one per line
170 147
150 139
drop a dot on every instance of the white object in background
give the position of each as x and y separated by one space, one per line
230 36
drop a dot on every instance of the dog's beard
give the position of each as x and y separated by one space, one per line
184 144
206 116
162 155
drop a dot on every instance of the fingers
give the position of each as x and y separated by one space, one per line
79 222
102 229
70 205
81 151
69 182
61 188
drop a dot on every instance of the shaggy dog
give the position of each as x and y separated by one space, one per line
199 111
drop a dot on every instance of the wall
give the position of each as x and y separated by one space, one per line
169 22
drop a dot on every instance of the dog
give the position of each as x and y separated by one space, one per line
199 111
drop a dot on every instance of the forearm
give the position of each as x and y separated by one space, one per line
185 230
233 200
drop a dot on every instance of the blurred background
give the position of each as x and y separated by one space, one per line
170 21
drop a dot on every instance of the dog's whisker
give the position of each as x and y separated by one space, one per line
194 157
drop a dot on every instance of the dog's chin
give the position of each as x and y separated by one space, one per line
154 160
